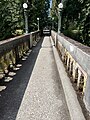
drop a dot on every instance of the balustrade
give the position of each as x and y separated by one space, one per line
76 58
13 49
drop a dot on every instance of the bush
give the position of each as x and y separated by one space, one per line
74 34
18 32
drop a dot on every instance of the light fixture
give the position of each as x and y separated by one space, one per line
60 6
25 5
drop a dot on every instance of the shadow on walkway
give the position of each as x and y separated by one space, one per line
12 89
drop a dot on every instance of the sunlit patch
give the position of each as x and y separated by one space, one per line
12 73
7 79
1 76
18 65
2 88
24 58
15 69
28 53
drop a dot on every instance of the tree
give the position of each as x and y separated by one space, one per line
12 15
75 19
38 8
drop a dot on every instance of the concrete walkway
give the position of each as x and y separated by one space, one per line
44 97
34 91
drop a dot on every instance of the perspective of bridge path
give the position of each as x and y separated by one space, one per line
35 92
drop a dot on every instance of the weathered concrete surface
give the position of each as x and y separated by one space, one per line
44 98
13 89
70 95
35 93
81 55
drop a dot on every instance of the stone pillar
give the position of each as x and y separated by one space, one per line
31 41
74 71
16 54
70 66
67 62
79 77
85 79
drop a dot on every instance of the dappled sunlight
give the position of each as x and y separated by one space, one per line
12 73
16 68
24 58
2 88
8 79
2 75
18 65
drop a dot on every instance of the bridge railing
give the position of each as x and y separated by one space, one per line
11 50
76 58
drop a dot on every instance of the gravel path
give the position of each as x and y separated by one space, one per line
35 93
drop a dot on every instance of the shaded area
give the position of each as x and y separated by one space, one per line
14 87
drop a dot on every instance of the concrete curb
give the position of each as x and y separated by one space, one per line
70 95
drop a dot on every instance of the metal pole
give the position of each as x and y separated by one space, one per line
59 21
38 25
52 23
26 21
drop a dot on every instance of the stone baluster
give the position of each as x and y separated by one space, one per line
70 66
73 73
67 62
79 77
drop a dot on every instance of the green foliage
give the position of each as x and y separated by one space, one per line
77 13
18 32
12 16
75 17
38 9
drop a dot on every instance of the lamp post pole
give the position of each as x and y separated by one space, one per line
60 7
38 23
52 22
25 6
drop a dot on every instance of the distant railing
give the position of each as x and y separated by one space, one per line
76 58
11 50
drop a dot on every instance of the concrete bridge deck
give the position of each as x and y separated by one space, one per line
35 92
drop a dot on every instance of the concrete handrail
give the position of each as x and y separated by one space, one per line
11 50
76 58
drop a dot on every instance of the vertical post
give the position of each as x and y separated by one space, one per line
53 23
26 21
31 40
60 7
25 6
59 22
38 23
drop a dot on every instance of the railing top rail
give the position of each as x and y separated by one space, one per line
17 37
13 39
35 32
81 46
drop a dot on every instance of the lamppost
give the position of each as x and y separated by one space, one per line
60 7
52 22
25 6
38 23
